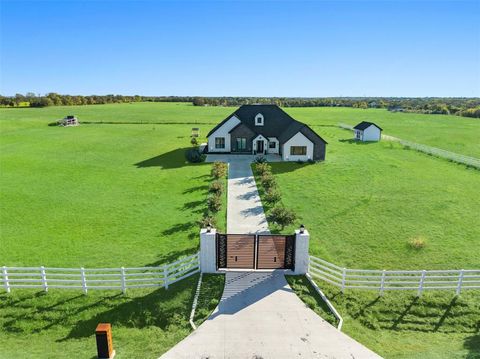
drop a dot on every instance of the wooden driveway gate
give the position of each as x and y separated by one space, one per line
255 251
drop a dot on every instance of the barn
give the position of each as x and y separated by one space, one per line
367 132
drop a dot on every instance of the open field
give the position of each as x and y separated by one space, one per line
366 202
112 195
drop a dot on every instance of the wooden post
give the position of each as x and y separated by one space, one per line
420 285
6 283
460 281
44 278
84 280
344 274
165 276
382 283
124 284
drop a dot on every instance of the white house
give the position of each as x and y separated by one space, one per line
367 132
266 129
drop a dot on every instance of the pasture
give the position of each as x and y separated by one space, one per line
118 192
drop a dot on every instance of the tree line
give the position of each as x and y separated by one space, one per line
462 106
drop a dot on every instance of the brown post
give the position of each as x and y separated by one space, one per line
104 341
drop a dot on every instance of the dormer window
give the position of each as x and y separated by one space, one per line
259 120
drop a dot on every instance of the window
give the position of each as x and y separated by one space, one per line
259 120
357 134
219 142
241 143
272 144
298 150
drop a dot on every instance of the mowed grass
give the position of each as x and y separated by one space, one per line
98 195
61 324
366 202
451 133
400 325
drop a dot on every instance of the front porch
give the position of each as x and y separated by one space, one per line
233 157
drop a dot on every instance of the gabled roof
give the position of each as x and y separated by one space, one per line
364 125
277 123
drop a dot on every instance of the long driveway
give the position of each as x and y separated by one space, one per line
259 316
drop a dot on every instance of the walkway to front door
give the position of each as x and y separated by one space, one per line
259 316
244 209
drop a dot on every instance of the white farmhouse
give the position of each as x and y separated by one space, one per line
367 132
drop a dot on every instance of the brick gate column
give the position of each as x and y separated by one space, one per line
208 253
301 251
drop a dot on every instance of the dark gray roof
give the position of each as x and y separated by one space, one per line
364 124
277 123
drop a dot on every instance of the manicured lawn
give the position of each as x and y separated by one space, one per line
98 195
61 324
400 325
365 203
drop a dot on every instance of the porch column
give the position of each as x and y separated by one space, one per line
301 251
208 253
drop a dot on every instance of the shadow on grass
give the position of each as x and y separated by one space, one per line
356 142
171 257
161 308
472 344
168 160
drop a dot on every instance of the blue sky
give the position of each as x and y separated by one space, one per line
378 48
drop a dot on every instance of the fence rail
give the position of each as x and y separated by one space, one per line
85 279
455 157
385 280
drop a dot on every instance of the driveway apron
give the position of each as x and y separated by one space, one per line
259 316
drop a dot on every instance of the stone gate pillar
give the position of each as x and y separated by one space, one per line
301 251
208 252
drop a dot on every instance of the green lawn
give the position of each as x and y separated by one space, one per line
61 324
452 133
367 201
400 325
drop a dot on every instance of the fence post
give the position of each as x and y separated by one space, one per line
124 283
84 280
420 285
6 283
165 276
382 283
460 281
44 278
344 274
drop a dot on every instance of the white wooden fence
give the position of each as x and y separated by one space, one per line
455 157
122 278
384 280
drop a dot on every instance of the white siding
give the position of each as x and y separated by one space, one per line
371 133
298 140
223 131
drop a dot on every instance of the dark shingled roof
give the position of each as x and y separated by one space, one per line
364 124
277 123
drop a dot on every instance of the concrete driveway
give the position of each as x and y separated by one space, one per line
259 316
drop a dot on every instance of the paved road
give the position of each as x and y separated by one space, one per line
259 316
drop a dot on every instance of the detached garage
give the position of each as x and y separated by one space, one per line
367 132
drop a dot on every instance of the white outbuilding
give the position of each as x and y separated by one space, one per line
367 132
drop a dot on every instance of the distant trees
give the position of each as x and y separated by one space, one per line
461 106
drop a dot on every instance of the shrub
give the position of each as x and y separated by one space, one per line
263 168
310 161
219 170
194 141
417 242
272 195
216 187
282 216
300 162
260 159
214 203
193 155
268 181
208 218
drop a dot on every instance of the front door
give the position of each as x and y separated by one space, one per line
260 146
